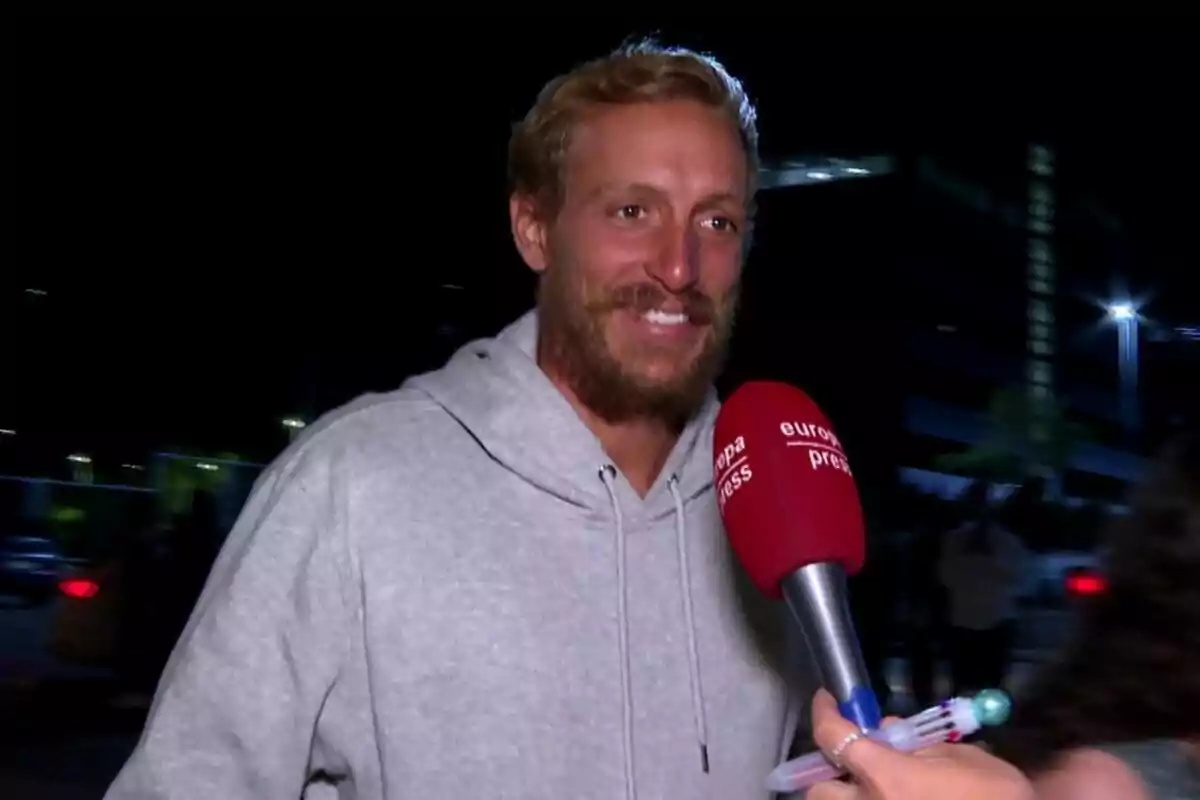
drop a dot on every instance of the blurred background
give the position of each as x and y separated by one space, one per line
975 249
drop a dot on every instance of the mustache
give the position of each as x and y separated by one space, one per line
643 297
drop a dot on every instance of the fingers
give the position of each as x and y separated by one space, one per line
862 758
834 790
830 728
831 731
940 750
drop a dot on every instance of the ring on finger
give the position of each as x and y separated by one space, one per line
836 754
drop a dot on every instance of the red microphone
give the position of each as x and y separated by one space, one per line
794 519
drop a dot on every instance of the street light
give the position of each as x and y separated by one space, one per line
1124 315
81 467
1122 311
807 171
294 425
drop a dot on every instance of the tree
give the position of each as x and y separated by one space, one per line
1011 451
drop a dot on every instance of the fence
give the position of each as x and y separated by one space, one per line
87 519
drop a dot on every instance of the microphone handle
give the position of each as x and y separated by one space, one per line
818 599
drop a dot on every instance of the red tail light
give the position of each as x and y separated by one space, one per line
80 588
1086 584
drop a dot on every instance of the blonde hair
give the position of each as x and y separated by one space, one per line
642 72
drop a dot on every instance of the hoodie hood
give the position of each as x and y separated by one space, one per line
496 390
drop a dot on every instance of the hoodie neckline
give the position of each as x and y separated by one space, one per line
496 390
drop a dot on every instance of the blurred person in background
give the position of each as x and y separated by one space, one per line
140 569
1118 716
873 595
158 573
926 598
1023 512
194 545
981 567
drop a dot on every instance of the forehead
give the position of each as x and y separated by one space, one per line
680 147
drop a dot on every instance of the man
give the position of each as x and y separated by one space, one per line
508 578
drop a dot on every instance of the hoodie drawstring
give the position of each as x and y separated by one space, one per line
689 615
607 474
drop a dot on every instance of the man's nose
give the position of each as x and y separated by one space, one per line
677 267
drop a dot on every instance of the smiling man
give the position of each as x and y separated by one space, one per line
637 229
508 578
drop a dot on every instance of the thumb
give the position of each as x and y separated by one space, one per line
866 760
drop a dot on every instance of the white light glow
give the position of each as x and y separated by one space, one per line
1122 311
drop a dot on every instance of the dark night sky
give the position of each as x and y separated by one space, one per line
224 211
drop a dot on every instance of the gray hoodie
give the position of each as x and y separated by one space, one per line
449 592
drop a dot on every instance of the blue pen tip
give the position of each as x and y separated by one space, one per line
992 707
862 708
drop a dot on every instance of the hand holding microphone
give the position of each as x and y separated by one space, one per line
948 721
939 772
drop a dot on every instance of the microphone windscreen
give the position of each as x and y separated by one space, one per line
784 486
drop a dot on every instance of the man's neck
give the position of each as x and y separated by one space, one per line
639 448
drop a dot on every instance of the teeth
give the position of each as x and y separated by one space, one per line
663 318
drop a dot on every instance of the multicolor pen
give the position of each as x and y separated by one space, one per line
948 721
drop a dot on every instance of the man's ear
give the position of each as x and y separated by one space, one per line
529 232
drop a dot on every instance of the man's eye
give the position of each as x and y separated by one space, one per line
632 211
722 224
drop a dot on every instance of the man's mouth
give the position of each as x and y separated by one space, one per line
654 307
658 317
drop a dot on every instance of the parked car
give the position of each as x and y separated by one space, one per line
1058 582
84 624
30 567
1058 578
127 610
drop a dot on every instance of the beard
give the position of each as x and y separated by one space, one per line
572 345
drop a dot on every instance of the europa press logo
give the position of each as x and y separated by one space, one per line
753 439
824 449
732 469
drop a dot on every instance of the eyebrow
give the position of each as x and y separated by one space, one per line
714 199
